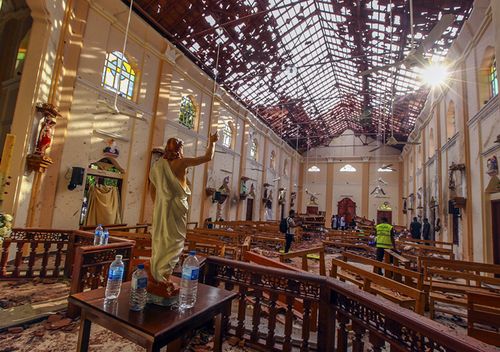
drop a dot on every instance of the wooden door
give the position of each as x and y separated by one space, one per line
384 214
347 207
249 215
495 218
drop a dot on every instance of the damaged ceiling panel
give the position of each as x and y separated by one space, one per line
296 63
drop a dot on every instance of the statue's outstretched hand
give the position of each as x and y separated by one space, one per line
214 137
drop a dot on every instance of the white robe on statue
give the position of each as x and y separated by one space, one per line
168 231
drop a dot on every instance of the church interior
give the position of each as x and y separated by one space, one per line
335 170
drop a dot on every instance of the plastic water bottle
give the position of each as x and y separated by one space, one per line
138 293
104 237
115 277
98 235
189 281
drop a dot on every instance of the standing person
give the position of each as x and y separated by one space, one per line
334 222
342 222
290 233
415 228
426 230
384 238
170 194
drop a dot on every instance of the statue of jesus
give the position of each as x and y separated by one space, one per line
170 194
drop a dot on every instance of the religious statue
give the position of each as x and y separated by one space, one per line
46 134
111 149
282 196
492 165
170 193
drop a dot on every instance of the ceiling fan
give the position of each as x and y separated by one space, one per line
388 167
392 141
109 109
416 55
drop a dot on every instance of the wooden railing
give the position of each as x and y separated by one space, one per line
348 320
31 253
91 265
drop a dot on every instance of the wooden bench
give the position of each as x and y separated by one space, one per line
405 296
449 282
137 228
345 245
396 259
303 254
298 306
267 242
91 228
393 272
441 244
483 317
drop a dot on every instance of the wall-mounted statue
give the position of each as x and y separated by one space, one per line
112 149
170 193
282 195
222 193
243 187
46 133
492 166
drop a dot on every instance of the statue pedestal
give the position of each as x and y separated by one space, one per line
162 293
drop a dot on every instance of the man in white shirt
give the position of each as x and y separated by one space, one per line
290 233
342 223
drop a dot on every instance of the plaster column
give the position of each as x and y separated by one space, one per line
365 191
213 120
262 211
300 188
23 121
243 157
61 95
329 191
468 253
401 216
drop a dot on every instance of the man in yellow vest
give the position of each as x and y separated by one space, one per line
384 238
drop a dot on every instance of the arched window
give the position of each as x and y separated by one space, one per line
285 168
187 112
488 76
347 168
272 162
451 127
493 78
254 149
118 75
227 134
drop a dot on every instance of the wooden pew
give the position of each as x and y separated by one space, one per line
393 272
441 244
405 296
347 244
303 254
267 242
483 317
91 228
298 307
396 259
137 228
449 282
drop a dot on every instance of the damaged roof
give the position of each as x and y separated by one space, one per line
296 63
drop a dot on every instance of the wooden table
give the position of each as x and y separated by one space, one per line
154 327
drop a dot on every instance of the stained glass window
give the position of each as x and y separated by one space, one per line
118 75
253 149
493 79
227 134
187 112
